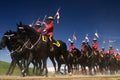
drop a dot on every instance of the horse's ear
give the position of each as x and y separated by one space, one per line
20 23
17 24
10 31
6 31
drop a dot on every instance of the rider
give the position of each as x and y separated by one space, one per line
83 47
111 50
103 52
49 28
72 47
95 45
118 56
38 26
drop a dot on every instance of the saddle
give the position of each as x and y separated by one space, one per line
95 53
101 55
51 40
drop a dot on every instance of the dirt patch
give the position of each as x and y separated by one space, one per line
63 77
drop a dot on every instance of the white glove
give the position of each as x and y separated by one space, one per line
30 25
44 30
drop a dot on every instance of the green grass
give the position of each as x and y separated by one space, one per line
17 72
4 68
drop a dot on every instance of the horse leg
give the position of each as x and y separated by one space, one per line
27 62
20 65
12 67
9 67
24 68
45 67
40 68
35 66
30 58
59 65
65 68
84 69
54 64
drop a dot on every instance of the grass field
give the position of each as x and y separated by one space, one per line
4 67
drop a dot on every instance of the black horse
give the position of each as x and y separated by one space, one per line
73 60
112 64
57 48
59 53
40 48
86 59
10 40
107 63
102 63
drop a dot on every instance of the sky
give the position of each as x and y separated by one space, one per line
76 16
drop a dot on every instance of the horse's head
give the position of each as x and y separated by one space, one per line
26 31
76 52
7 37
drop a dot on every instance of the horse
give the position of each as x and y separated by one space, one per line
86 59
40 48
23 39
101 63
10 40
94 61
112 63
73 60
60 54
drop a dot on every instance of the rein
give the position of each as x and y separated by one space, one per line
36 42
16 50
25 44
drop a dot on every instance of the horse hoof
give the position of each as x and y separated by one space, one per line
70 74
23 71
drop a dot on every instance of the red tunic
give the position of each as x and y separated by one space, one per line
72 47
95 46
118 57
38 30
111 51
103 52
83 48
49 29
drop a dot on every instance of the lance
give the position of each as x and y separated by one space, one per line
43 19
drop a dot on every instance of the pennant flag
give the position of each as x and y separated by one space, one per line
111 41
70 40
117 50
58 16
103 43
96 34
74 37
86 38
